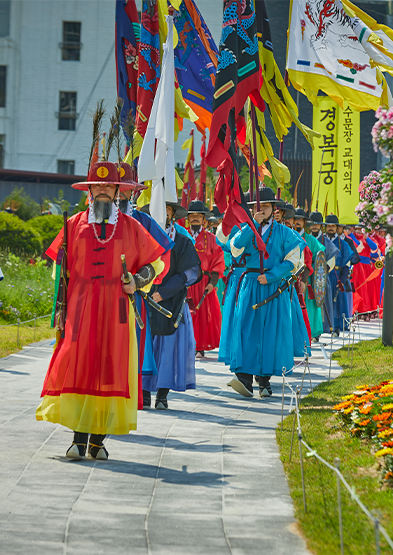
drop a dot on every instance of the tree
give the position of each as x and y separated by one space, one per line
21 204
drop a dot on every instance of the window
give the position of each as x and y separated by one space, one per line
67 110
71 45
2 150
5 6
3 85
66 166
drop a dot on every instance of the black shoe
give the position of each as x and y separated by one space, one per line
146 399
96 447
78 447
256 378
161 399
199 354
265 389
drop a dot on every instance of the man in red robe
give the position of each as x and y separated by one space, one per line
207 318
92 382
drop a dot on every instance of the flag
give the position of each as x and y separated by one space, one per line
156 159
202 175
195 61
148 64
127 39
238 77
326 51
189 186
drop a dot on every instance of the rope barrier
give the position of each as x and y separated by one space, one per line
26 321
295 395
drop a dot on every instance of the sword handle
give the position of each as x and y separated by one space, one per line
131 296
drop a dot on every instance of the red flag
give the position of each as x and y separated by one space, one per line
202 176
238 77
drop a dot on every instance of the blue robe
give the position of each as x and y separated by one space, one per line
299 330
262 339
341 272
228 308
149 365
330 252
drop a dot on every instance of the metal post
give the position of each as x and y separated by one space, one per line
387 322
302 470
331 354
376 529
343 329
340 516
282 404
357 323
353 344
293 425
35 317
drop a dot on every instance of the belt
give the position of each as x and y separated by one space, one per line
233 266
206 273
248 271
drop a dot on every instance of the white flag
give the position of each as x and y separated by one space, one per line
157 159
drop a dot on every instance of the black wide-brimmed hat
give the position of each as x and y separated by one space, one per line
265 195
179 211
289 211
300 214
280 204
315 218
197 207
332 219
216 212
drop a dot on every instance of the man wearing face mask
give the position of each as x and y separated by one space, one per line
338 277
313 311
92 382
207 318
262 339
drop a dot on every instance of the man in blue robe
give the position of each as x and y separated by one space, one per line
331 251
173 339
262 339
339 276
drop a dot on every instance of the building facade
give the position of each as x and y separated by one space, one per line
57 59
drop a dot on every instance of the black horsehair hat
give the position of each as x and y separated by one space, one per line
179 211
300 214
265 195
198 207
289 211
332 219
315 218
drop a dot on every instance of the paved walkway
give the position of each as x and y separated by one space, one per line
202 478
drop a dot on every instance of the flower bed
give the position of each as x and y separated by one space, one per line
369 414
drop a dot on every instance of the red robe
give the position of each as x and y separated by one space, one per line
207 319
92 381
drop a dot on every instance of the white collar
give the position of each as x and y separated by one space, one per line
266 226
171 231
112 218
301 233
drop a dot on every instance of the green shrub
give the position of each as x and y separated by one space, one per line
21 204
18 237
47 227
27 288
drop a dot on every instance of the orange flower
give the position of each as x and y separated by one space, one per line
366 410
364 422
387 444
388 475
344 405
381 417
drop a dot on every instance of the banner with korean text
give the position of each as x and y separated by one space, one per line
336 160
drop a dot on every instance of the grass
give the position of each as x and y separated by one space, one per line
27 288
323 431
8 335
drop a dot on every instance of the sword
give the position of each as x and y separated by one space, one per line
127 279
202 299
281 288
154 305
180 315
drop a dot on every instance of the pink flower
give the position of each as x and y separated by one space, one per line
389 241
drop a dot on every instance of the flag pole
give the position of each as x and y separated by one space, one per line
254 142
281 153
251 163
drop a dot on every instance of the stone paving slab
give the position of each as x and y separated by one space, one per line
204 477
